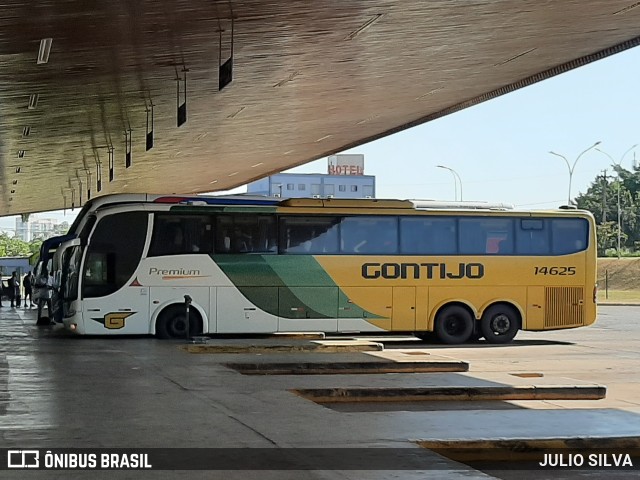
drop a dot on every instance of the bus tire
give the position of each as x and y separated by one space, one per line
500 323
172 322
454 325
476 336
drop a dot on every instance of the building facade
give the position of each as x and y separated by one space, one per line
39 228
345 178
314 185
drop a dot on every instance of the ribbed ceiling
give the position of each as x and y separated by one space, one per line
309 79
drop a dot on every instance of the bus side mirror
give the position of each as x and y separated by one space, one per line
74 242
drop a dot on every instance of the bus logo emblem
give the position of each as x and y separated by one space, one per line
114 320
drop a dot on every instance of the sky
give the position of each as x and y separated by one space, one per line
500 148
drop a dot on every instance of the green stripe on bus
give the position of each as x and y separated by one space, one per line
299 270
308 282
255 278
304 271
305 290
248 270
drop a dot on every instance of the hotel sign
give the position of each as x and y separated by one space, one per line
346 164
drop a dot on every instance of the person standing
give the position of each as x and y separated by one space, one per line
27 284
14 289
45 286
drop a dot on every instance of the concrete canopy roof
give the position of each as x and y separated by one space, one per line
309 79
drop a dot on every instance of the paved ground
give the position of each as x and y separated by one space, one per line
61 391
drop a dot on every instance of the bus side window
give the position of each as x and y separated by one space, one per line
246 234
163 237
308 235
266 237
176 238
532 237
472 237
242 241
488 235
223 234
569 235
181 234
204 242
369 235
428 235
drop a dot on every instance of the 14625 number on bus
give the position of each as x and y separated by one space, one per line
555 270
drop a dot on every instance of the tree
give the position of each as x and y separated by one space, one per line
607 235
601 199
34 248
15 247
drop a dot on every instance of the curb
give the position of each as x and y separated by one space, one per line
280 348
618 304
347 368
428 394
301 335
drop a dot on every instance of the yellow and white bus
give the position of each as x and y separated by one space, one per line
263 265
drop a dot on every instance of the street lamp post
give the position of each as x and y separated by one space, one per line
456 178
618 164
572 167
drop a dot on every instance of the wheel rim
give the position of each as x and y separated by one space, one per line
454 325
178 327
500 324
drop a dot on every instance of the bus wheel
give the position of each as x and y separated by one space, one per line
454 324
500 324
477 334
172 322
